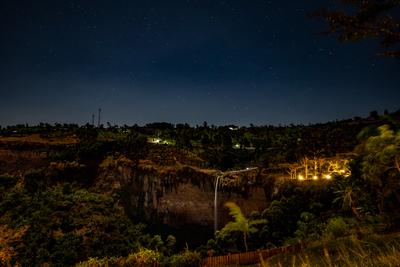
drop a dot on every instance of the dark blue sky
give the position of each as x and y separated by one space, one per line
224 62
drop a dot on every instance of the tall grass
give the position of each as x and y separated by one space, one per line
371 251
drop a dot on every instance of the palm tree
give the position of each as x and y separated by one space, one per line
240 223
348 198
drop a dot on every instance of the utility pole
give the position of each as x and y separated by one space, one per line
98 122
93 119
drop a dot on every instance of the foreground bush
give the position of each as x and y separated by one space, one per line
104 262
142 258
185 259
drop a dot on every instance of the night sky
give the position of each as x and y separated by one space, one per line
224 62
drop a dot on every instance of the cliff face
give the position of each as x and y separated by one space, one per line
175 195
179 196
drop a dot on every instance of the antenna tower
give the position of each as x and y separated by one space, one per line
98 122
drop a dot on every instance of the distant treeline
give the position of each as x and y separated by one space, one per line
227 147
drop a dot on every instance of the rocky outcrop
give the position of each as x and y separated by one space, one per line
178 195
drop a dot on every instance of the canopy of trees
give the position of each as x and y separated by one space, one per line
359 19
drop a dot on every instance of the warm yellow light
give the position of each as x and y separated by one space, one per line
328 176
342 171
301 177
315 177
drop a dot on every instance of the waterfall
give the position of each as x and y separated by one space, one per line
216 192
216 204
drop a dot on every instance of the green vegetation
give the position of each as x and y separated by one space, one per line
374 250
223 147
76 207
240 223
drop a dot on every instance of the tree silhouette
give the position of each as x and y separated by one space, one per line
240 223
363 19
348 197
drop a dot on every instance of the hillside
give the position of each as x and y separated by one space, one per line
71 193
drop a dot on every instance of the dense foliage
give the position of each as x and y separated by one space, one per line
222 147
362 204
58 215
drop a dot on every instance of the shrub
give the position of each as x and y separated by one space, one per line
185 259
144 257
103 262
309 228
337 227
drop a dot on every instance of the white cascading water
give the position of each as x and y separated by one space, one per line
216 204
216 193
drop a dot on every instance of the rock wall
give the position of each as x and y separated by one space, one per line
179 195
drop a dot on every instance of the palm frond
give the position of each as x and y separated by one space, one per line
235 212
